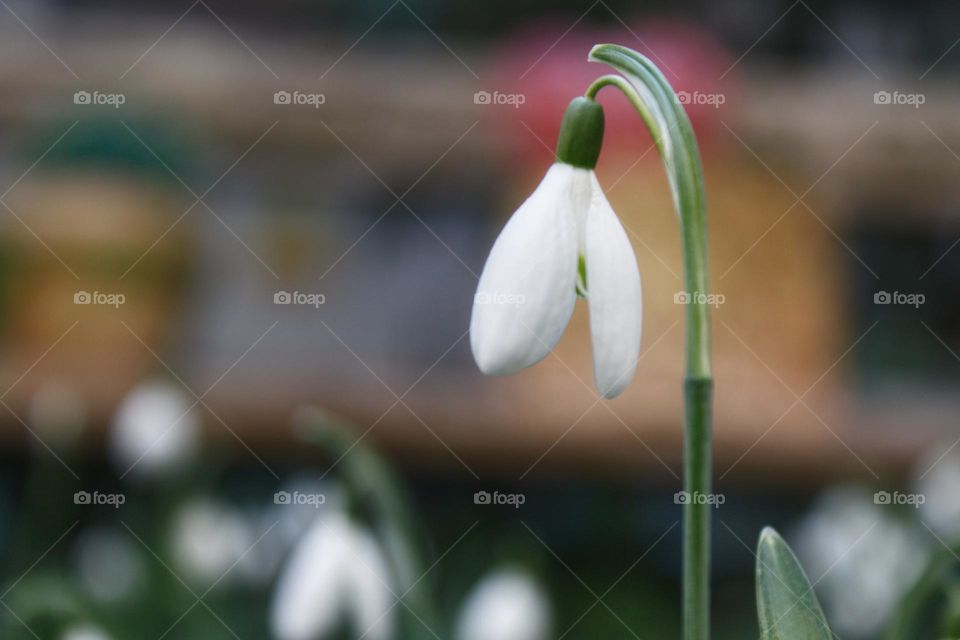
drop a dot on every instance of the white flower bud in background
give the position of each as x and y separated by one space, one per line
208 539
861 557
108 564
507 604
336 572
84 633
155 431
937 479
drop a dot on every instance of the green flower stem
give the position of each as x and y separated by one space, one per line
657 104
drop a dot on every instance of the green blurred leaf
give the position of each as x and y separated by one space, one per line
787 607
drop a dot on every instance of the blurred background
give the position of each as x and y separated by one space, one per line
216 213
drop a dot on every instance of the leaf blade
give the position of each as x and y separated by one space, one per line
787 607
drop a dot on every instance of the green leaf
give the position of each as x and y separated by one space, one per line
786 605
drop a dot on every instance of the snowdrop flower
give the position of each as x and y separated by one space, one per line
937 479
84 633
208 540
337 571
563 241
506 605
155 431
862 557
108 566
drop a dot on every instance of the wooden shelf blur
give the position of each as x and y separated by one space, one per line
778 335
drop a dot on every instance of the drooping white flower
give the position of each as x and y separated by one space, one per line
108 566
336 572
937 479
564 239
369 600
863 556
84 632
507 604
209 540
156 431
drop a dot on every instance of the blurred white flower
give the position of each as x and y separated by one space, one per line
369 598
336 572
84 633
861 558
938 481
507 604
155 431
209 539
108 564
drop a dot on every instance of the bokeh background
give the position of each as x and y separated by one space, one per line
215 213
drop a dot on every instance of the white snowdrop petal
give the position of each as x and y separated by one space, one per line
208 539
614 296
310 595
369 597
84 633
526 292
938 476
507 604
